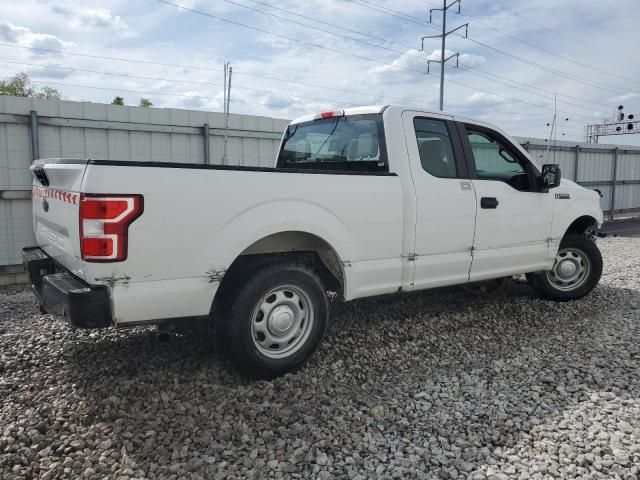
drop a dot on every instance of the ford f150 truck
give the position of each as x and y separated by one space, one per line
360 202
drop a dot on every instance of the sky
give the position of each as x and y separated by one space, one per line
292 58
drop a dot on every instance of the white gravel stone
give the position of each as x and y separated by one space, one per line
437 384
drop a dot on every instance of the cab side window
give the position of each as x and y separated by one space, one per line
434 146
494 160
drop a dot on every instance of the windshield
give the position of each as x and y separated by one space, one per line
354 143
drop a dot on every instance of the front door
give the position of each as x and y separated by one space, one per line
513 222
445 202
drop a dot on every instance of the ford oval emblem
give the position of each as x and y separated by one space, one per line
45 205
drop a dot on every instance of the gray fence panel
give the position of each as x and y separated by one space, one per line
627 197
595 166
16 231
628 166
15 155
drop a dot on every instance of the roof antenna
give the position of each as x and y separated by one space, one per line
553 130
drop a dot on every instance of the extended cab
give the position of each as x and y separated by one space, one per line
361 202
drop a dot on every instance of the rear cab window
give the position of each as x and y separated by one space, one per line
435 147
354 143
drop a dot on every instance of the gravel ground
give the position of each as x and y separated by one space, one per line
437 384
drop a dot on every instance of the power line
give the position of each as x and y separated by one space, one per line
393 13
286 37
563 34
151 93
457 82
487 76
216 17
195 67
416 20
171 80
279 17
542 49
560 73
397 51
144 92
528 85
329 24
263 76
404 45
239 73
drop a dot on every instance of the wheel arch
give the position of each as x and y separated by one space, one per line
581 225
297 245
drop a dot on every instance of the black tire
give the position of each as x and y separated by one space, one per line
235 322
542 284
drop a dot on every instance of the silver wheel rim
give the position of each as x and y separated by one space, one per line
282 321
570 270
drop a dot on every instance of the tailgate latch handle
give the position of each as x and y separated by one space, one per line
39 173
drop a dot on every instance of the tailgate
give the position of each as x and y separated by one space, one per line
56 205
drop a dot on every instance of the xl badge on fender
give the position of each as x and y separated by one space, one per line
562 196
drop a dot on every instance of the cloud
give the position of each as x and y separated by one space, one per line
412 63
626 97
277 101
28 38
49 72
482 99
90 17
10 32
470 60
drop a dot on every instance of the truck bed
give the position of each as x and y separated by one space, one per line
198 218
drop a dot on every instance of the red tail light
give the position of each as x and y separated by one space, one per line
104 224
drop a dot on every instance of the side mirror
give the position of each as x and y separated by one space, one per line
551 176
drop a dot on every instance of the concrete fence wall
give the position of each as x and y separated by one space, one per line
37 128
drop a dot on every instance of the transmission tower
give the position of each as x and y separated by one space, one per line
619 124
445 8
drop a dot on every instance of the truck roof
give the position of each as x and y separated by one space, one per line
367 109
347 111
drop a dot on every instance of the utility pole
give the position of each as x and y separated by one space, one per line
229 88
445 8
228 71
224 91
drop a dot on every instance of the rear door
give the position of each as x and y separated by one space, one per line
56 205
513 223
445 201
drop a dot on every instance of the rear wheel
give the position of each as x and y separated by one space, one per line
275 321
576 271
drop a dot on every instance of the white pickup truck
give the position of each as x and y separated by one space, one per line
361 202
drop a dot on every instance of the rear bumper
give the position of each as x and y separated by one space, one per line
62 293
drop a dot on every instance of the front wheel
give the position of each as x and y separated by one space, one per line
275 321
576 271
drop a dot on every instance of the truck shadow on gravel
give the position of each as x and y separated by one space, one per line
427 366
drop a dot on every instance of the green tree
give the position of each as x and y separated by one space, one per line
20 86
118 101
50 93
145 102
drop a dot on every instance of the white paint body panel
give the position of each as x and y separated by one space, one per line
185 236
57 230
442 205
512 238
197 221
